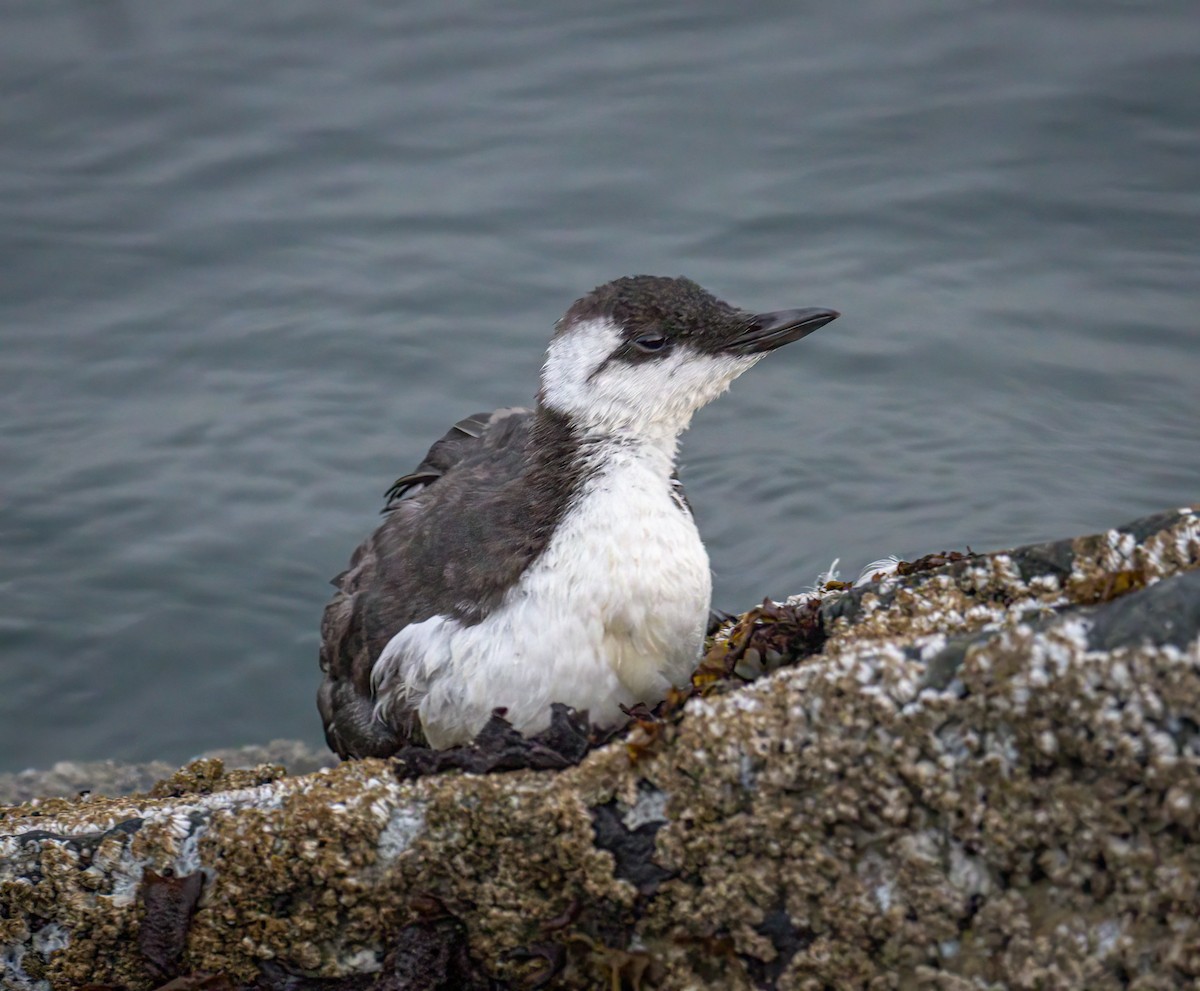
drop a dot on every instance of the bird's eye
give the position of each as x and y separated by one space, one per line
650 343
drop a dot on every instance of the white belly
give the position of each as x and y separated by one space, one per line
612 613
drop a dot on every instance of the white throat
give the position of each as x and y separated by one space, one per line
653 400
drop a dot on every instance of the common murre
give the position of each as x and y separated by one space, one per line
548 554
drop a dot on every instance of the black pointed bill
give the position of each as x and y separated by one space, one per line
768 331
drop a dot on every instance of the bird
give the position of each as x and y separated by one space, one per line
546 554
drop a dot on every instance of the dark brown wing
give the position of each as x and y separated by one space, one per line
381 591
459 441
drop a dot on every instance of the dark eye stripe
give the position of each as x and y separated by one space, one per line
650 343
635 352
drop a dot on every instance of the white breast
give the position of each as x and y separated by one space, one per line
613 612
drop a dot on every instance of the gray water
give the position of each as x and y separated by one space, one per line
255 257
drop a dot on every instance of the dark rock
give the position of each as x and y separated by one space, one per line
1167 612
632 849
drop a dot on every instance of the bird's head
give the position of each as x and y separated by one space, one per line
642 354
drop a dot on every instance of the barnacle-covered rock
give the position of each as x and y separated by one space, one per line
975 771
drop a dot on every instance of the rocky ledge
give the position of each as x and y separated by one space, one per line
975 772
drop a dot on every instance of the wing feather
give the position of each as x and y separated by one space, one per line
375 598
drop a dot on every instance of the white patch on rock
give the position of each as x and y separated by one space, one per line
1107 933
745 702
187 861
968 873
651 806
1045 583
700 708
49 939
747 774
932 646
404 825
126 876
883 895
